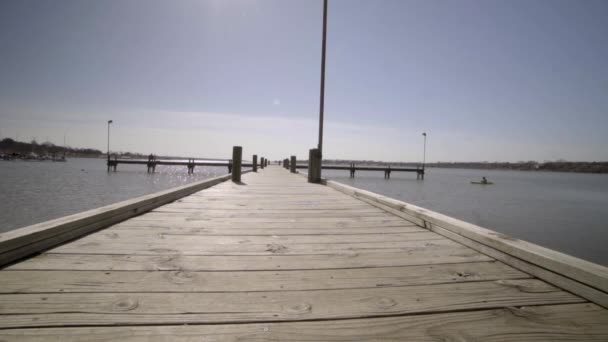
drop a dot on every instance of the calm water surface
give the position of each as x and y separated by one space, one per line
34 192
567 212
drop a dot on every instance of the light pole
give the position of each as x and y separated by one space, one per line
322 92
424 151
109 122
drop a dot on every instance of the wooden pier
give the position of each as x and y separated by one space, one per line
353 168
190 164
275 258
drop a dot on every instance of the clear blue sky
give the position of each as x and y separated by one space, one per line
488 80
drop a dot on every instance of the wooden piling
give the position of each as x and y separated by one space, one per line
255 163
292 164
314 166
262 162
237 154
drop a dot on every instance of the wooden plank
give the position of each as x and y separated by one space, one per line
176 262
593 275
569 322
307 201
44 310
287 222
287 225
141 237
187 246
241 281
176 230
173 219
161 213
275 205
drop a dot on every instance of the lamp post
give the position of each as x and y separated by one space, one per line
322 91
424 151
109 122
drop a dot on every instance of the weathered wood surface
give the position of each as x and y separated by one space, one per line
570 322
175 262
51 309
276 258
579 276
242 281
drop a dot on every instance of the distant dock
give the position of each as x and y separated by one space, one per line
270 256
151 164
353 168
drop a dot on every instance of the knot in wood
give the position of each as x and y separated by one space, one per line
527 286
180 277
125 304
165 263
112 235
384 302
275 248
301 308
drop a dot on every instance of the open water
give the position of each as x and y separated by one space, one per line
567 212
33 191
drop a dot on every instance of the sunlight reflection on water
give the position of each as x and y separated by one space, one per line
34 192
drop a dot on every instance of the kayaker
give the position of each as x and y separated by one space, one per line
484 180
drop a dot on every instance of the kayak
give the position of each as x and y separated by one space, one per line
481 183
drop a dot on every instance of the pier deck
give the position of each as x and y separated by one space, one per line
277 258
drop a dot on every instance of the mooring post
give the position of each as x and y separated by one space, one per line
255 163
293 164
237 154
190 166
314 166
262 162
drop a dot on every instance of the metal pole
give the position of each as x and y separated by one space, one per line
424 152
322 97
109 122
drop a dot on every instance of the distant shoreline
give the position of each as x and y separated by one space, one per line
11 148
552 166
